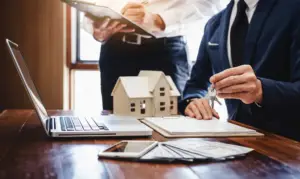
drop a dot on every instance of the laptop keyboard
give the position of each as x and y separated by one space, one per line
81 124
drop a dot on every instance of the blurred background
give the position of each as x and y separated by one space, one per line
61 56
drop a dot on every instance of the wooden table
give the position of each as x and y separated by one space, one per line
26 152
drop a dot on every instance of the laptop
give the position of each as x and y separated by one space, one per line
74 126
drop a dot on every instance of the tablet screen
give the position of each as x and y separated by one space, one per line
130 147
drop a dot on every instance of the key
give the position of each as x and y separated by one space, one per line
92 124
62 124
69 124
85 124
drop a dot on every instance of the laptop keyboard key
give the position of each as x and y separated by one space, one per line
85 124
69 124
77 124
62 124
92 124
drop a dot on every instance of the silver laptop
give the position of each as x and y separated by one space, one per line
75 126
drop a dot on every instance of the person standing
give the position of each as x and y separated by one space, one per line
125 52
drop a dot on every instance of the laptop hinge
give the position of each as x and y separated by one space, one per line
50 124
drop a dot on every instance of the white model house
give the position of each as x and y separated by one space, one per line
150 94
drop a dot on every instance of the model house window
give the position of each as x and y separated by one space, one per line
162 94
132 107
162 103
143 107
172 105
162 89
162 109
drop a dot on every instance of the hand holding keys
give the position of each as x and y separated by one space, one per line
203 108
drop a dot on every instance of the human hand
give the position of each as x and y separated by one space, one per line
238 83
200 109
137 13
103 29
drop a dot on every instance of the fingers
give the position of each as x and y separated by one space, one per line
205 109
101 24
136 19
215 114
243 96
90 17
196 111
200 109
246 87
131 6
105 23
129 30
230 72
189 113
119 28
135 12
140 12
135 15
113 25
245 78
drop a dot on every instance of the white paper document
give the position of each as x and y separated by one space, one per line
195 150
184 126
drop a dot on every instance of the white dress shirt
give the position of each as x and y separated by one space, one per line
176 14
252 4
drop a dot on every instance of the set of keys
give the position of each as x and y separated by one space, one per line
212 96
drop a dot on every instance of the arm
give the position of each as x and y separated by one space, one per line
277 93
242 83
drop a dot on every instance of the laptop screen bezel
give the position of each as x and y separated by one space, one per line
43 116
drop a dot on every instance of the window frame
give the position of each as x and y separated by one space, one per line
74 62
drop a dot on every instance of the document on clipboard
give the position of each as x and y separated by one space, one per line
107 9
185 127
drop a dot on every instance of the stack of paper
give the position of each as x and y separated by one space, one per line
188 127
195 150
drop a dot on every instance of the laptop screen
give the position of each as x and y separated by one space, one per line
27 81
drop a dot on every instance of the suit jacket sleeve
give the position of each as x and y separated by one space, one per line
278 93
197 85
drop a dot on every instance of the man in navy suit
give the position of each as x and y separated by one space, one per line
250 53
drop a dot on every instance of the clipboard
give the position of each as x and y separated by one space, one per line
97 11
164 131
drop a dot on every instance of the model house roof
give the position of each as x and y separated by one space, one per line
153 77
174 90
143 85
135 87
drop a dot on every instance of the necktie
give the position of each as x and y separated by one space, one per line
238 34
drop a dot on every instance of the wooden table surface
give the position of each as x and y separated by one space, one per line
26 152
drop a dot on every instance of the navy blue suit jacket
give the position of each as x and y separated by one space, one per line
273 50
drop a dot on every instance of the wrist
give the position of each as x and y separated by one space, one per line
259 93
